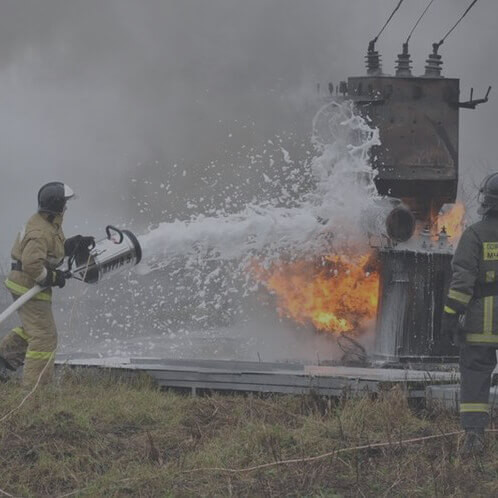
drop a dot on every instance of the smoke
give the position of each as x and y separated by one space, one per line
91 90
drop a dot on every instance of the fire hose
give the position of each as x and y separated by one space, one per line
19 302
119 251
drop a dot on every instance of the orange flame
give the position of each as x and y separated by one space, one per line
334 294
452 220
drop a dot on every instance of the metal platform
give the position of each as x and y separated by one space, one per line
449 396
264 377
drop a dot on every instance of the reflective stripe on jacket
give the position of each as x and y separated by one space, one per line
475 262
38 246
19 290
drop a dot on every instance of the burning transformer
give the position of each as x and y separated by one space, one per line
417 163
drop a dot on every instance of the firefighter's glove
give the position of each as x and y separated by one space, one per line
78 248
75 246
54 278
450 326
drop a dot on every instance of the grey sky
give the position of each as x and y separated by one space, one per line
89 89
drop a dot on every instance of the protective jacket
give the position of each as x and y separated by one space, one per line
474 285
39 246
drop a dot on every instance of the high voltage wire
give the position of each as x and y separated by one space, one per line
457 23
419 19
389 20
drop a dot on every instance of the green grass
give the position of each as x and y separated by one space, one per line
99 436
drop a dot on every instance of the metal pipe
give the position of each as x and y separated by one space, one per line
389 218
400 224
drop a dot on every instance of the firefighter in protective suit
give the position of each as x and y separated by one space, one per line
38 251
471 315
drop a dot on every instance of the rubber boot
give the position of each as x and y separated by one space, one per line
473 443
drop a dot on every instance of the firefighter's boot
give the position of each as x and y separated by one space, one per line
5 370
473 443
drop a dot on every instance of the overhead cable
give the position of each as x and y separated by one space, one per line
388 21
457 23
419 19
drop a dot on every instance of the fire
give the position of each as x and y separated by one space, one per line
452 220
335 294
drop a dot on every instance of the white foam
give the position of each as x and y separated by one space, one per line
344 191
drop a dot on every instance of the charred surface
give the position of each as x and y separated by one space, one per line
418 120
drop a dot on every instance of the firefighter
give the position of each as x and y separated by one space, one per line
38 251
471 315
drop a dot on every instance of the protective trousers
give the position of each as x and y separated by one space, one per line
34 343
476 366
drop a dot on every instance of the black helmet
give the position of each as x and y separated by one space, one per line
52 197
488 194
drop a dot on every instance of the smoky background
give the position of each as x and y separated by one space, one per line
155 110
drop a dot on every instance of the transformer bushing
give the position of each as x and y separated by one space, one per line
434 63
374 67
404 63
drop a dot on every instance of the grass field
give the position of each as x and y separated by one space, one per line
89 436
